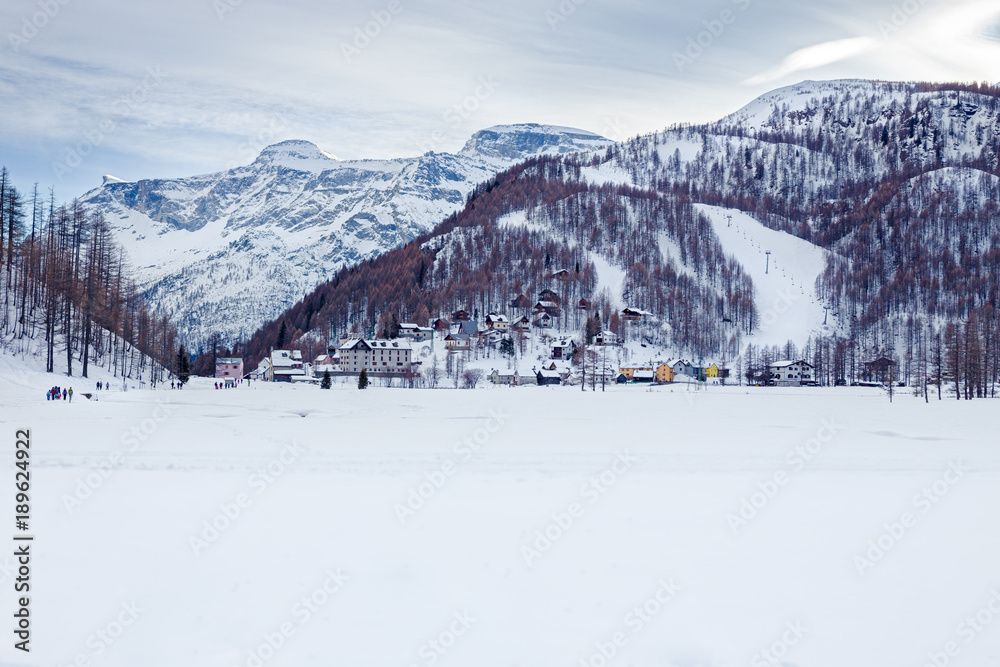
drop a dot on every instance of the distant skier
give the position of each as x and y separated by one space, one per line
71 394
64 394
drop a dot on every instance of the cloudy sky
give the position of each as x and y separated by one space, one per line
144 89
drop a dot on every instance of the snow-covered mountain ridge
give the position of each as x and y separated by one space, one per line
227 251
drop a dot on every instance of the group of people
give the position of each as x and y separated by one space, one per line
227 384
59 393
102 385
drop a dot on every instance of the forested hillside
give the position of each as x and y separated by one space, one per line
898 181
69 294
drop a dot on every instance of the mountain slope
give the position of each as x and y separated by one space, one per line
226 252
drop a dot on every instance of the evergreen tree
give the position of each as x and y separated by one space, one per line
282 335
363 379
327 381
183 365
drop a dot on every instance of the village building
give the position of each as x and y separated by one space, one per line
521 302
543 321
642 375
664 373
630 371
497 322
549 295
457 341
607 338
682 367
521 324
546 377
414 333
634 314
512 378
562 348
792 373
382 357
261 372
286 366
879 370
563 275
229 368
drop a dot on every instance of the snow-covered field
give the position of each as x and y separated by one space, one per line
271 525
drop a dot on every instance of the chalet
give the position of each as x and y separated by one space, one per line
261 372
384 357
415 333
458 341
460 316
497 322
621 378
546 377
286 366
229 368
583 304
550 307
513 378
521 324
607 338
634 314
562 348
664 373
630 371
441 325
643 376
326 363
543 321
682 367
563 275
791 373
467 327
521 302
549 295
879 370
491 336
712 371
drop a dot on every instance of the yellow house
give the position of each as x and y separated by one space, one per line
664 373
629 371
712 371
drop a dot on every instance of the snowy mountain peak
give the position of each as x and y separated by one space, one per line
516 142
293 151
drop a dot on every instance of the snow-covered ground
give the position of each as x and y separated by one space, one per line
785 282
277 525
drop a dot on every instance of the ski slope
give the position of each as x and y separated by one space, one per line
785 283
292 526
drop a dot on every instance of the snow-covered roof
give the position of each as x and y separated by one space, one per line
379 344
493 317
285 358
229 360
548 374
786 363
642 374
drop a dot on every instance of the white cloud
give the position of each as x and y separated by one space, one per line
815 56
